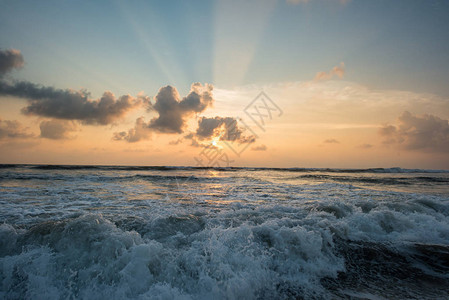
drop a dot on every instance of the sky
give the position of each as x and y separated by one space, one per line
268 83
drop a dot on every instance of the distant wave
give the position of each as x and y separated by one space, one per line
181 179
225 169
374 180
108 168
98 178
9 166
369 170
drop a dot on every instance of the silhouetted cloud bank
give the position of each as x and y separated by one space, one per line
68 104
63 104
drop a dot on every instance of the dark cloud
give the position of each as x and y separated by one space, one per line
414 132
194 141
69 104
64 104
13 129
10 59
226 128
387 130
173 111
365 146
218 129
189 135
140 131
247 139
57 129
259 148
208 126
331 141
175 142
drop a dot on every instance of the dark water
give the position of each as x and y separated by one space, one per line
96 232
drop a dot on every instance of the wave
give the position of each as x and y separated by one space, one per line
106 168
263 238
183 178
90 257
9 166
99 178
370 267
369 170
224 169
252 253
375 180
325 242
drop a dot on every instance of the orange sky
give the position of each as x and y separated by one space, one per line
327 123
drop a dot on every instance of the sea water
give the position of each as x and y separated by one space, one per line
104 232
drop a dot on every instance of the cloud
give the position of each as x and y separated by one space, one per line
140 131
64 104
212 130
173 111
365 146
225 128
13 129
331 141
413 132
259 148
194 141
69 104
10 59
338 71
57 129
175 142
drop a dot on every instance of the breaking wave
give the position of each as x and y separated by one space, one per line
254 235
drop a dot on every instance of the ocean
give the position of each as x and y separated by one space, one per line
117 232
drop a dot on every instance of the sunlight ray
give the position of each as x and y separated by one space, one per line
238 29
156 44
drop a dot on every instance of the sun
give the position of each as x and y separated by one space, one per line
216 142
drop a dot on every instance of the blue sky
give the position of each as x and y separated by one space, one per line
132 46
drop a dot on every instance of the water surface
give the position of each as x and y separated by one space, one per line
189 233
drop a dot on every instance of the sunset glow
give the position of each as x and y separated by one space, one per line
354 93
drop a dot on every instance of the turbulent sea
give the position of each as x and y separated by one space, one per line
103 232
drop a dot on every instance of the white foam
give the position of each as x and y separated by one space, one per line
90 257
261 239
